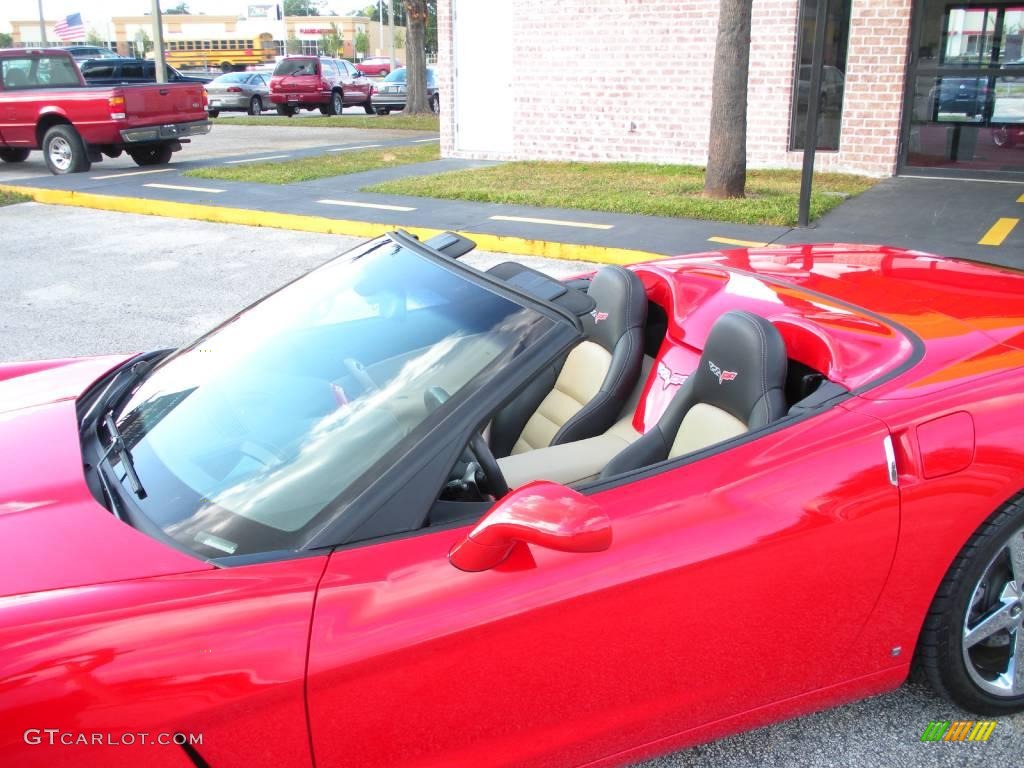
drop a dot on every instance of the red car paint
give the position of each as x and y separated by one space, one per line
773 578
105 117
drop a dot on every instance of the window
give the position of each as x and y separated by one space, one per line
206 45
101 72
38 72
837 36
296 67
190 45
248 439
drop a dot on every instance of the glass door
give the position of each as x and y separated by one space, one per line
966 99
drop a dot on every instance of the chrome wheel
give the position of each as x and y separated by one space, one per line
993 627
337 104
60 153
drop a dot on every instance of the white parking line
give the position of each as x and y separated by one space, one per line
184 188
361 146
133 173
378 206
554 222
255 159
424 141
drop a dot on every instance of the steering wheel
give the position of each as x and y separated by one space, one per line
361 375
493 481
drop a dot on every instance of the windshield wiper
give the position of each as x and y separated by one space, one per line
117 446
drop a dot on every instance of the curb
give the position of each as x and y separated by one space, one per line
518 246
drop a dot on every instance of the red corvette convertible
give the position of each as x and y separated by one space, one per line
403 512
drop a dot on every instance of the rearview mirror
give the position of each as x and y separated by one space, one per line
544 514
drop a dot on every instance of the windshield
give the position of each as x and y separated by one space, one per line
38 72
398 76
233 77
243 439
296 67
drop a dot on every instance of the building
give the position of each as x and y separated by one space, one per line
630 80
219 41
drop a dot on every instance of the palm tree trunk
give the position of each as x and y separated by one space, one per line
726 174
416 57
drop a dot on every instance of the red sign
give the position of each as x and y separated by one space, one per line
314 31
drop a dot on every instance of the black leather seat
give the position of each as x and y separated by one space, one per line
582 395
739 385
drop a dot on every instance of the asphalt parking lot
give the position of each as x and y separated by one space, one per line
80 282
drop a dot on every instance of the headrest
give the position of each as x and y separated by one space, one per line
619 305
743 369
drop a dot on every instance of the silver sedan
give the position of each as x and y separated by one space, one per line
389 93
239 92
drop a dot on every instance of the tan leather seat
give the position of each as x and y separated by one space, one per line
582 395
739 385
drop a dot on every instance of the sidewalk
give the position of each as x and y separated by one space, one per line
944 217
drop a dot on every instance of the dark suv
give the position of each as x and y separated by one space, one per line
311 82
116 71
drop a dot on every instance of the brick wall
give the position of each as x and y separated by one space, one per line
630 80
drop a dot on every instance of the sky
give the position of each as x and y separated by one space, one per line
100 9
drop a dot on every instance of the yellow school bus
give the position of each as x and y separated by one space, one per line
225 54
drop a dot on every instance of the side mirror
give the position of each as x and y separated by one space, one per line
544 514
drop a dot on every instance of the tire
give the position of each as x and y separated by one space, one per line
383 110
14 155
65 151
325 110
255 105
337 103
1003 138
158 154
980 595
214 113
285 111
435 104
368 107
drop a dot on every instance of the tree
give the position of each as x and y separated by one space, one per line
726 174
92 37
302 7
362 43
181 9
143 44
332 43
399 37
416 58
6 40
293 44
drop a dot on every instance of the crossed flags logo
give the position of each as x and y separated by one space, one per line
958 730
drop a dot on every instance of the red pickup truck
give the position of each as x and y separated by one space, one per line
45 104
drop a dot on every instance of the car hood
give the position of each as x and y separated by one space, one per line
53 533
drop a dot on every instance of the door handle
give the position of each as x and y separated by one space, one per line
164 91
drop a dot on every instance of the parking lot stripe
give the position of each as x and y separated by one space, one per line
378 206
1020 199
184 188
742 243
999 231
349 149
554 222
255 159
424 141
133 173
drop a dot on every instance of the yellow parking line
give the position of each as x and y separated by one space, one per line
731 241
554 222
184 188
1020 199
133 173
999 231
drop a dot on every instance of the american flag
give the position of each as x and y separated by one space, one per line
71 28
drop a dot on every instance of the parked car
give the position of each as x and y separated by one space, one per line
1008 135
832 84
111 71
390 93
966 95
239 92
46 105
87 52
376 66
403 512
310 82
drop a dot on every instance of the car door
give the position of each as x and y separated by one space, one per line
736 579
359 83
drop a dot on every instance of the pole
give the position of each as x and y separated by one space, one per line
42 24
391 32
380 26
813 105
158 44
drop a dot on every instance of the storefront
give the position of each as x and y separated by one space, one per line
965 95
